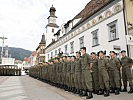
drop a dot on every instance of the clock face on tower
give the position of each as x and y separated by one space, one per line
52 20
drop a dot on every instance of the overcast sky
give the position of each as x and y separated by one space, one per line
23 21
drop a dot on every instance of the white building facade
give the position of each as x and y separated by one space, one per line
103 30
8 61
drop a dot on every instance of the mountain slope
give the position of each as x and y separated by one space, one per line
18 53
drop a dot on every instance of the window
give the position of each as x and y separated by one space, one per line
52 30
48 56
55 52
113 32
95 37
72 47
43 51
81 41
59 50
65 48
51 54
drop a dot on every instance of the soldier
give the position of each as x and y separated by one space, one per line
114 73
86 74
127 63
73 74
64 72
78 72
95 78
60 72
68 76
103 66
56 71
50 71
19 71
47 71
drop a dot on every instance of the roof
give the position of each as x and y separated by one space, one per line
52 9
91 8
43 40
58 32
34 53
52 25
27 59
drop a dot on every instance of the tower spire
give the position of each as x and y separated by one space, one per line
43 39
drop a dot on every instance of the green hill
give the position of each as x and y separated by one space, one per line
18 53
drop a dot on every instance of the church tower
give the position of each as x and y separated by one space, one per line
41 50
51 27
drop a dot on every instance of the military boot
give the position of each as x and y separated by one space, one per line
101 92
78 91
106 94
117 91
112 90
75 90
85 93
81 93
96 91
89 96
125 89
131 90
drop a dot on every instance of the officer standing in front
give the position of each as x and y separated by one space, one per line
86 74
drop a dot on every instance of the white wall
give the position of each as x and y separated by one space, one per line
8 61
50 35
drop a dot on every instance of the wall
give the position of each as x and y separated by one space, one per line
8 61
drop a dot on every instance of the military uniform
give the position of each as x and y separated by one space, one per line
68 76
103 66
86 74
64 71
60 72
78 73
114 73
95 76
126 71
72 74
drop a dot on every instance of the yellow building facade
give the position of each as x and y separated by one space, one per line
129 19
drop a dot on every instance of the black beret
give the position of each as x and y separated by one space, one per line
112 51
123 51
78 52
93 53
84 48
101 52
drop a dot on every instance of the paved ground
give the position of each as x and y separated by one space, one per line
27 88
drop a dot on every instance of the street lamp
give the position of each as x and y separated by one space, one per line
3 38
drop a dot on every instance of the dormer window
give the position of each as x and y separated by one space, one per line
52 30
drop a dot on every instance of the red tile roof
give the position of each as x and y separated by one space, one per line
34 53
92 7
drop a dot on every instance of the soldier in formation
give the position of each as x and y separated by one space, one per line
6 70
87 74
